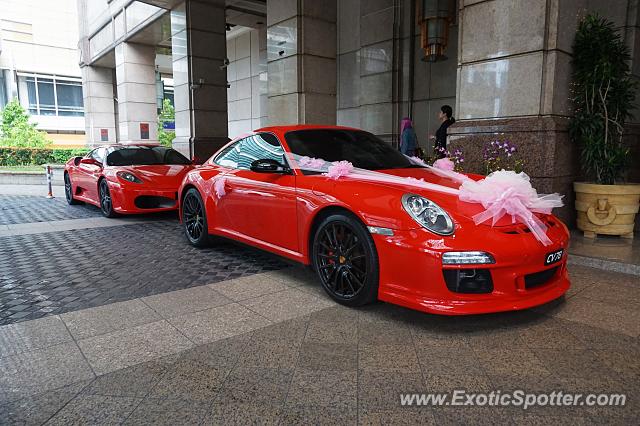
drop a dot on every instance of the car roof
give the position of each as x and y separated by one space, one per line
292 127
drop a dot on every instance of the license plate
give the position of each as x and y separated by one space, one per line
553 257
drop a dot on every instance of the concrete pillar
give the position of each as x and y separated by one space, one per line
136 92
200 80
301 58
99 109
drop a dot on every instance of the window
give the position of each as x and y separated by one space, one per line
145 155
51 95
244 152
3 95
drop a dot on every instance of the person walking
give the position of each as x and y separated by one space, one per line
445 115
408 140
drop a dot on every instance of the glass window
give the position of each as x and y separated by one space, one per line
50 95
362 149
3 95
256 147
145 155
69 97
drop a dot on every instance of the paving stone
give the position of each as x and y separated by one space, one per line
185 301
168 412
28 336
29 373
121 349
336 389
16 209
226 412
256 384
95 409
286 304
86 268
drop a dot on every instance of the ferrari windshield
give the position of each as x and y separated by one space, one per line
145 156
362 149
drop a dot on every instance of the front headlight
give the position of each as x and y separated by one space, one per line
428 214
129 177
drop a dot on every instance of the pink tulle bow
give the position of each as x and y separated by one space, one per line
218 187
417 160
338 169
312 163
444 164
510 193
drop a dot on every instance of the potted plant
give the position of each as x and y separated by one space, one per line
603 96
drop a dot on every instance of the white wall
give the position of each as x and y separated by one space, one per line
247 77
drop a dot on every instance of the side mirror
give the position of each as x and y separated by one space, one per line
91 161
267 165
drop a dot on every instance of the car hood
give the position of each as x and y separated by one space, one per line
163 175
459 210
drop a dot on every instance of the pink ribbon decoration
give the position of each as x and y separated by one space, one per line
337 169
218 187
311 163
444 164
510 193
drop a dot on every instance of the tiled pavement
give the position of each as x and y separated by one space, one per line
272 349
29 209
55 272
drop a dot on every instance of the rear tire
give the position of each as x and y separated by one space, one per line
346 261
194 219
68 191
106 202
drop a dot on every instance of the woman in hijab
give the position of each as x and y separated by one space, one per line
408 140
445 115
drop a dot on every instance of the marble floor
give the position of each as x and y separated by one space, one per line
271 348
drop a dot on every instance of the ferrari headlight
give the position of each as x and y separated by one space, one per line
467 258
129 177
428 214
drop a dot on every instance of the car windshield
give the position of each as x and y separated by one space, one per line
145 156
362 149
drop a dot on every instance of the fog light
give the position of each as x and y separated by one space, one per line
466 258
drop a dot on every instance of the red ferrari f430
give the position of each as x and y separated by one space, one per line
367 239
126 179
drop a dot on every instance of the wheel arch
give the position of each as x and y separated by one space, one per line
319 216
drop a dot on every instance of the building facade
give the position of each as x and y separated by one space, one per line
39 65
504 67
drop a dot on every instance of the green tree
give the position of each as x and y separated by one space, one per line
167 115
603 98
16 130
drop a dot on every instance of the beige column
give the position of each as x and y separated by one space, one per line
99 110
136 92
200 81
301 58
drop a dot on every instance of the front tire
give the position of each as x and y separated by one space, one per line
106 202
194 218
68 191
346 261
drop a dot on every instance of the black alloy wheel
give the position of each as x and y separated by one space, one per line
194 218
106 204
345 259
68 190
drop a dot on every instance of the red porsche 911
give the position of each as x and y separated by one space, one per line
126 179
368 239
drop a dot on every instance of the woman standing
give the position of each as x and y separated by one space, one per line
445 115
408 140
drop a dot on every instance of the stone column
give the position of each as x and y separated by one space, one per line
513 84
136 92
99 110
200 80
301 46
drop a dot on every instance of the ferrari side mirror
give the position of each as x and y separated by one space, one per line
268 165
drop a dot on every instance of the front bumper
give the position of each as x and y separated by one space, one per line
128 200
412 273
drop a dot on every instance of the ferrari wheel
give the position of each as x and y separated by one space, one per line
345 259
68 190
195 219
106 203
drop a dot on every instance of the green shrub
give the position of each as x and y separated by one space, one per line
13 156
167 115
16 130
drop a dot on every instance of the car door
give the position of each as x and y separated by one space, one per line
261 206
88 174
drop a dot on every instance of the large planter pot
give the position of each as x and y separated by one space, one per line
606 209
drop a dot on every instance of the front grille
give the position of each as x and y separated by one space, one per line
154 202
539 278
